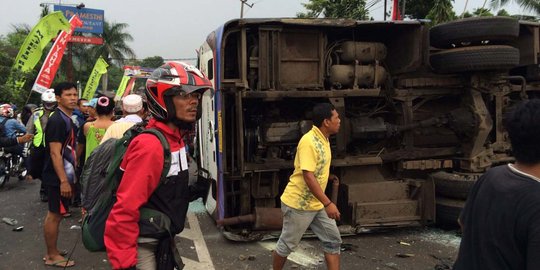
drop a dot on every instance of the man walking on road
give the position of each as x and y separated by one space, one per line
303 202
59 169
501 219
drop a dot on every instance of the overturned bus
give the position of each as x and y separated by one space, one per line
421 112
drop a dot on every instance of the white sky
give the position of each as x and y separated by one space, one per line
176 28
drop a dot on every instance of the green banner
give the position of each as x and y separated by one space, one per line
32 48
100 68
122 87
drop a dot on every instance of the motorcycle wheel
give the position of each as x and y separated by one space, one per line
3 175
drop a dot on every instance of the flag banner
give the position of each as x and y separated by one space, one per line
100 68
129 86
30 52
53 59
121 88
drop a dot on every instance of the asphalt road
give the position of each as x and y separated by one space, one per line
204 247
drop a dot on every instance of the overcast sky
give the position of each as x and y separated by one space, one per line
176 28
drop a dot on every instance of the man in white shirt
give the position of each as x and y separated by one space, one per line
134 112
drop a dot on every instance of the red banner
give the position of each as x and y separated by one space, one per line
52 62
129 87
396 13
86 40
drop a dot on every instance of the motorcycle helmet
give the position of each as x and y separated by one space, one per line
48 99
6 110
168 80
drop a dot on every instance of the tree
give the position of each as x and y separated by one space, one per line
152 62
482 12
419 9
347 9
114 47
531 5
503 12
441 12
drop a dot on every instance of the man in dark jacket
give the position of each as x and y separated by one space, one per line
173 92
501 219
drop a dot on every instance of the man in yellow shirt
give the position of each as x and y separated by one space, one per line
303 202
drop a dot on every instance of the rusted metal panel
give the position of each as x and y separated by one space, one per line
386 210
300 59
426 164
377 191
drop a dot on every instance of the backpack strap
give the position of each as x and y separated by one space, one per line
166 152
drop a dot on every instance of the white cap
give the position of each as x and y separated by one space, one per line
132 103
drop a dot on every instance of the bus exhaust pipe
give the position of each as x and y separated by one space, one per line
262 219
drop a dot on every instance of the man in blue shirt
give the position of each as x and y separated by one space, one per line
11 128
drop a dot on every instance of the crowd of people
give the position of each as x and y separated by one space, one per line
65 130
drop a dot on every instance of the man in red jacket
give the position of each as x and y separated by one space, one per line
173 92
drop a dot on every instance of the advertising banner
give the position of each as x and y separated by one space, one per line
137 72
92 18
121 88
100 68
129 86
52 62
32 48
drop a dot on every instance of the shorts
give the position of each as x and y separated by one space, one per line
295 224
57 203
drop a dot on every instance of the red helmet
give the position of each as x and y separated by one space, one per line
167 81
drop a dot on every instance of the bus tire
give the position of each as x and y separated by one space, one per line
477 58
454 185
474 31
448 211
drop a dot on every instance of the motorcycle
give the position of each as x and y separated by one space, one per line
12 165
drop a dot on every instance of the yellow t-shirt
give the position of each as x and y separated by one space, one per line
312 154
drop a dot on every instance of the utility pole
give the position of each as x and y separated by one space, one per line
403 10
242 3
385 9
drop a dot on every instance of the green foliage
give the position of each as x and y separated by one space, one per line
152 62
418 9
347 9
115 74
503 12
114 47
529 5
441 12
482 12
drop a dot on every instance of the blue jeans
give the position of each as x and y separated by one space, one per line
296 222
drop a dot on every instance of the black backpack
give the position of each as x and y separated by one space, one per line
100 178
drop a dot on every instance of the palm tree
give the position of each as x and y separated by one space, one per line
114 47
441 12
532 5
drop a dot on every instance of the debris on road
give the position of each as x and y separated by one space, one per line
404 255
18 229
10 221
404 243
